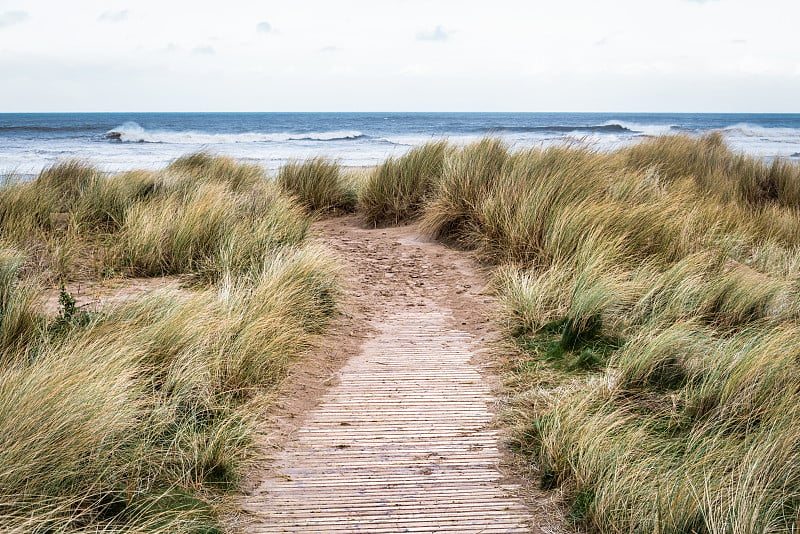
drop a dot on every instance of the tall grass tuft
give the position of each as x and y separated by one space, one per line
397 190
207 168
21 325
207 231
468 177
317 184
68 181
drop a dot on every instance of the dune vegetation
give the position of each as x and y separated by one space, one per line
652 297
398 188
318 185
141 417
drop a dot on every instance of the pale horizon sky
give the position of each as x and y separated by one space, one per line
400 55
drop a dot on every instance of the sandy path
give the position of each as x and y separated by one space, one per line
389 427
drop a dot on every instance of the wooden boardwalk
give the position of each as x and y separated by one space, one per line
404 443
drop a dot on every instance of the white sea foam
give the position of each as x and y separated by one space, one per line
421 139
591 138
131 132
781 135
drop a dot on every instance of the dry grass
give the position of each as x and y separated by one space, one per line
397 190
654 294
318 185
140 418
467 178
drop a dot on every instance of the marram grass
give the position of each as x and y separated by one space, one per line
318 185
398 188
651 294
141 418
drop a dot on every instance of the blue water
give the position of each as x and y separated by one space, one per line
122 141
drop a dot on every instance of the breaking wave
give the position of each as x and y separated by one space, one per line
609 127
644 129
131 132
753 130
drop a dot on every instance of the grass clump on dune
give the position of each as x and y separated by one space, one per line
141 417
317 184
20 323
195 217
717 170
206 229
467 178
206 168
397 190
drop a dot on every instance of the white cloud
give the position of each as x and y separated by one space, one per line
113 16
204 51
263 27
437 34
13 17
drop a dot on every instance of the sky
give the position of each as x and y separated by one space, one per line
400 55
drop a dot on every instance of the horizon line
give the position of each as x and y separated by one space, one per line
416 112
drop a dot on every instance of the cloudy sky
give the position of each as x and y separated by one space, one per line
400 55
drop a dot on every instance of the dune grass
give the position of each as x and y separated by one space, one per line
674 418
141 418
467 177
318 185
397 190
652 298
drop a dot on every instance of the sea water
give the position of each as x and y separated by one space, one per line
124 141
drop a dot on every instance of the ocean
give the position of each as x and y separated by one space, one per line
123 141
